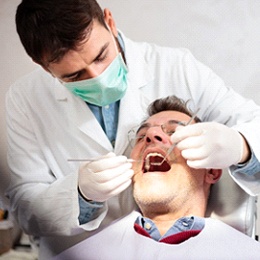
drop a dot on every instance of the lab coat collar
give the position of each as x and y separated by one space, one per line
139 74
81 116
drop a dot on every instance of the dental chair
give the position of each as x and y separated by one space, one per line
230 204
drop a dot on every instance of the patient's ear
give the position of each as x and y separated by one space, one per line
213 175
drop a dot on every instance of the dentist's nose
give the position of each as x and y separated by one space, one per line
92 73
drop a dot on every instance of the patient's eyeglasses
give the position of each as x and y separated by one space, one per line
138 133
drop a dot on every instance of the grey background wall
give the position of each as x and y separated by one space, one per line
223 34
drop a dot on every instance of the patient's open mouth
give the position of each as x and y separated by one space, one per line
152 163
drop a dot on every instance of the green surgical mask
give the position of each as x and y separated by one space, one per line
106 88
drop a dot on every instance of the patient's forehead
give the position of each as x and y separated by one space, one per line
165 116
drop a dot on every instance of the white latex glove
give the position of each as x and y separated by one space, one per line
209 145
105 178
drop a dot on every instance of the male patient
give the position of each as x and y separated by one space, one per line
172 198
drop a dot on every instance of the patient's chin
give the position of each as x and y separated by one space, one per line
149 195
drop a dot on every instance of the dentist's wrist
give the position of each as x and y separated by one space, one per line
246 152
86 199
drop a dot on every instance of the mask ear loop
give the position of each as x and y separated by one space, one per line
113 38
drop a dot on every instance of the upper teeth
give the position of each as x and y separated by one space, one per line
153 154
147 159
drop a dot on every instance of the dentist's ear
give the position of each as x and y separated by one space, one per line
110 21
213 175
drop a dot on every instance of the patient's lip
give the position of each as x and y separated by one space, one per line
151 161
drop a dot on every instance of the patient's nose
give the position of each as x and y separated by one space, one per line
156 135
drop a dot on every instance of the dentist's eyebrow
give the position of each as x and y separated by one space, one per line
101 51
70 75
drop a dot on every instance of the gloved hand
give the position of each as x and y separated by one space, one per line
209 145
105 178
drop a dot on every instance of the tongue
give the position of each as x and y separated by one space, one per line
164 167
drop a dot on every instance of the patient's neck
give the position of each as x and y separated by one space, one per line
164 219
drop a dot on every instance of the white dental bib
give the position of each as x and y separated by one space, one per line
120 241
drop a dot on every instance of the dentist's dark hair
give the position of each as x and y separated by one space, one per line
48 29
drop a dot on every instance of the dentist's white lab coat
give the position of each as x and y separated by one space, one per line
48 125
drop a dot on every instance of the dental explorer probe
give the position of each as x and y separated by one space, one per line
94 159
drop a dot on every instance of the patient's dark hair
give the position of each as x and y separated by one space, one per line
170 103
48 29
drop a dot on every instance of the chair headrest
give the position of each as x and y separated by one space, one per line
232 205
